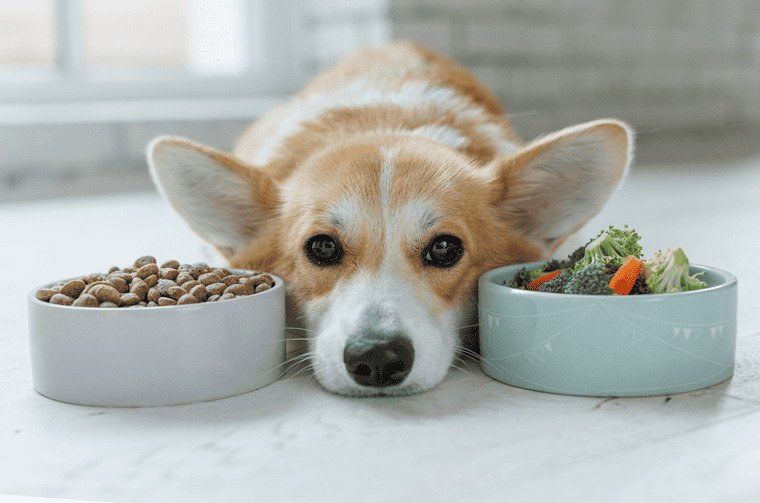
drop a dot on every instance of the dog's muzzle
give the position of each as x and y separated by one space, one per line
378 360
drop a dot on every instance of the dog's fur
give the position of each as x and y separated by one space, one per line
385 150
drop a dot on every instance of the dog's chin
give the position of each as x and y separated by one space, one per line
364 391
343 385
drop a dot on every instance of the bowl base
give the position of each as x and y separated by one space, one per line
598 392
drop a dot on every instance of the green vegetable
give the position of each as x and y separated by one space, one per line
556 285
669 273
521 279
640 287
574 257
524 276
610 247
593 279
554 264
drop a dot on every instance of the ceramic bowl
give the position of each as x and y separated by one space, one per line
157 355
608 345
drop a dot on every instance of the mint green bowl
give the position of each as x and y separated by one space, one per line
607 345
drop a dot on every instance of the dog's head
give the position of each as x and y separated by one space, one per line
381 242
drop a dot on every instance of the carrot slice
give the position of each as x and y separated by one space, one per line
533 285
624 278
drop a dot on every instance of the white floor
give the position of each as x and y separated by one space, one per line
469 439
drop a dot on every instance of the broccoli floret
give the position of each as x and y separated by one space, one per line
554 264
524 276
556 285
669 273
591 280
640 286
520 279
610 247
574 257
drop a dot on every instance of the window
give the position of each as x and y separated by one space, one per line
78 50
85 84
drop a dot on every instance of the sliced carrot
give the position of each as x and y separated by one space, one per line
624 278
533 285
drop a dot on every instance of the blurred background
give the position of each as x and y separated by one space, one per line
84 84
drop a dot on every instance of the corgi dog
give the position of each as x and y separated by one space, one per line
380 193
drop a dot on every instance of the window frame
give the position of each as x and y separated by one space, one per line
273 31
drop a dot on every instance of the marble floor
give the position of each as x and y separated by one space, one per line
469 439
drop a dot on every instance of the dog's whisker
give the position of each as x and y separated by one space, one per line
302 329
461 360
470 353
468 326
295 360
463 369
479 358
306 368
290 339
457 367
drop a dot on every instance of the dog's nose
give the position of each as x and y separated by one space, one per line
383 363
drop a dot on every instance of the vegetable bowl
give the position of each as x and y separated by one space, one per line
608 345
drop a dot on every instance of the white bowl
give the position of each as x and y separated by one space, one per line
157 355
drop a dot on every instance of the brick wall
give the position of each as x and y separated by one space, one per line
675 66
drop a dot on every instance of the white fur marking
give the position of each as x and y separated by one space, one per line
386 179
444 134
346 214
365 93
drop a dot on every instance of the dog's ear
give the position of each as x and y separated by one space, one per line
222 198
555 184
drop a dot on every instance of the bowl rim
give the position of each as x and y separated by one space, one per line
487 278
278 284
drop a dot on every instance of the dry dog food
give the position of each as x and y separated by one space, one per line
147 284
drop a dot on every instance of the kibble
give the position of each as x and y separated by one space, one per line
120 284
199 292
86 300
140 289
175 292
129 299
73 288
230 280
239 289
168 273
214 288
144 260
106 293
61 299
146 284
183 277
209 278
262 288
171 264
187 299
153 295
45 294
147 270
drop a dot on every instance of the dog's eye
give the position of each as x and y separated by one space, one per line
323 250
443 251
